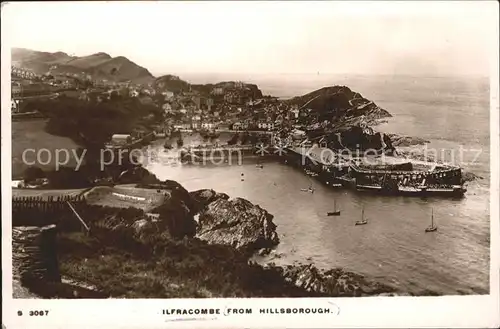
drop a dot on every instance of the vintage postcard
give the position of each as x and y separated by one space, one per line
250 164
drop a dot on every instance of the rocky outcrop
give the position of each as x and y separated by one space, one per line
334 282
202 198
338 105
344 117
404 141
354 138
470 177
238 223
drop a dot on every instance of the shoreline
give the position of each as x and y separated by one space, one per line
179 212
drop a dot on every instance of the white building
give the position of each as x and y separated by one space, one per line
182 126
167 107
208 125
121 139
14 106
168 94
265 125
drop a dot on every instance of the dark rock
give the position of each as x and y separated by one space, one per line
403 141
204 197
334 282
137 175
238 223
470 177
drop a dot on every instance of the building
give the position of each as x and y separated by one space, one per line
208 125
168 94
210 103
265 125
218 91
182 126
120 139
167 107
14 106
240 125
16 88
197 101
19 72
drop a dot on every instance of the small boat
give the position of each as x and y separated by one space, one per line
431 228
309 189
335 211
363 220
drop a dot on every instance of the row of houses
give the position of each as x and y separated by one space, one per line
245 125
19 72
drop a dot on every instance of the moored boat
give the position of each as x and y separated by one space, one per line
433 227
363 220
335 212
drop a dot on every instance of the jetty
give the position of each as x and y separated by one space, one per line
386 175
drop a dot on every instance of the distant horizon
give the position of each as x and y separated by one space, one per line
221 76
369 38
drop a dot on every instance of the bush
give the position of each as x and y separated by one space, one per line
32 173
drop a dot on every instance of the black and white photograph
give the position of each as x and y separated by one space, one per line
207 151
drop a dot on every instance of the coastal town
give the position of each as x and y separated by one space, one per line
254 119
250 164
328 135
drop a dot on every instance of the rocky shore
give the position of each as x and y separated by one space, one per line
194 244
249 228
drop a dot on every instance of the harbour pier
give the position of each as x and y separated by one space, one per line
391 176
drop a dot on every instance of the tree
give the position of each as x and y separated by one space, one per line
32 173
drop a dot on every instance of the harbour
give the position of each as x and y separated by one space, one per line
392 248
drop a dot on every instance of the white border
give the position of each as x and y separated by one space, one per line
446 311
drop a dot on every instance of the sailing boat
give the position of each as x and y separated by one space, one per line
310 188
431 228
335 211
363 221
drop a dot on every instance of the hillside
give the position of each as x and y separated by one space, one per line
175 84
339 106
99 65
343 117
171 83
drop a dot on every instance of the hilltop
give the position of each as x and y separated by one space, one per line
339 105
99 65
175 84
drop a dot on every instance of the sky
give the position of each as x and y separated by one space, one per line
433 38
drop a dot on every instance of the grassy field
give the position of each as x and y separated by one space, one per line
31 135
124 197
